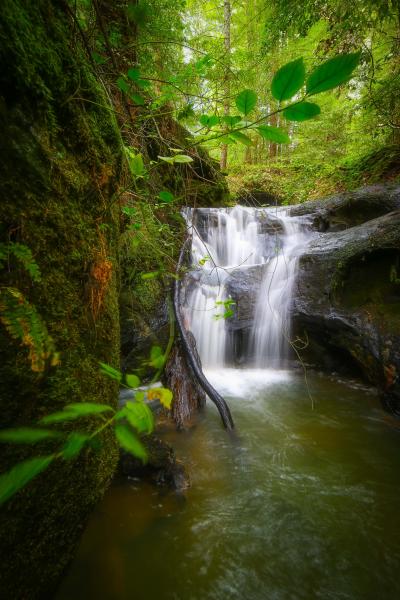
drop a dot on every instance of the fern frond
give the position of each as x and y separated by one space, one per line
24 323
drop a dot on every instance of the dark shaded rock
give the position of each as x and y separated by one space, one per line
162 467
347 302
189 397
349 209
243 286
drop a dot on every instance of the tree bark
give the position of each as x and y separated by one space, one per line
227 79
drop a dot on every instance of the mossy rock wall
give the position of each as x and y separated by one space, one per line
60 163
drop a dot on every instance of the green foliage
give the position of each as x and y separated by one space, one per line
227 306
136 164
21 474
166 196
74 445
288 80
23 323
27 435
178 158
246 101
23 254
332 73
241 137
75 411
129 441
302 111
273 134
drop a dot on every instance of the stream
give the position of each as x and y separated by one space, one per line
301 502
303 505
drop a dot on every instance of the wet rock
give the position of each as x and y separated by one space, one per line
243 287
347 302
349 209
162 468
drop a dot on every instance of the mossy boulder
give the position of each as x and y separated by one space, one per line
60 163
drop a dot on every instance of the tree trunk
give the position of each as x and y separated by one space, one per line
227 79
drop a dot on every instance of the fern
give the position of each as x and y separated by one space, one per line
24 323
24 255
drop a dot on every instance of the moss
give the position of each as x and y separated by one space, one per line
60 161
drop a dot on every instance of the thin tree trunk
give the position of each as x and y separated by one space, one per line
227 79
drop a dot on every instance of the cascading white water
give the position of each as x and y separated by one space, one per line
271 327
224 242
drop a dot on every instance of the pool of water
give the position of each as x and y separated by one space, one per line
300 504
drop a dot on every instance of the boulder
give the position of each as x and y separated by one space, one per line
349 209
347 296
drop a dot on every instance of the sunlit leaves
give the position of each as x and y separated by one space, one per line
288 80
203 260
139 415
302 111
246 101
135 162
128 441
21 474
178 158
132 381
333 72
163 395
231 121
150 275
166 196
209 120
241 137
156 357
27 435
273 134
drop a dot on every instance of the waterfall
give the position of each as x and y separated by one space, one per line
270 336
225 243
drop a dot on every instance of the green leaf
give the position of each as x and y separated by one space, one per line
110 372
98 59
166 196
182 158
164 395
123 85
137 99
156 357
273 134
139 416
26 435
151 275
21 474
129 211
75 411
132 381
302 111
333 72
74 445
134 74
241 137
128 440
136 165
246 101
288 80
231 121
209 120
